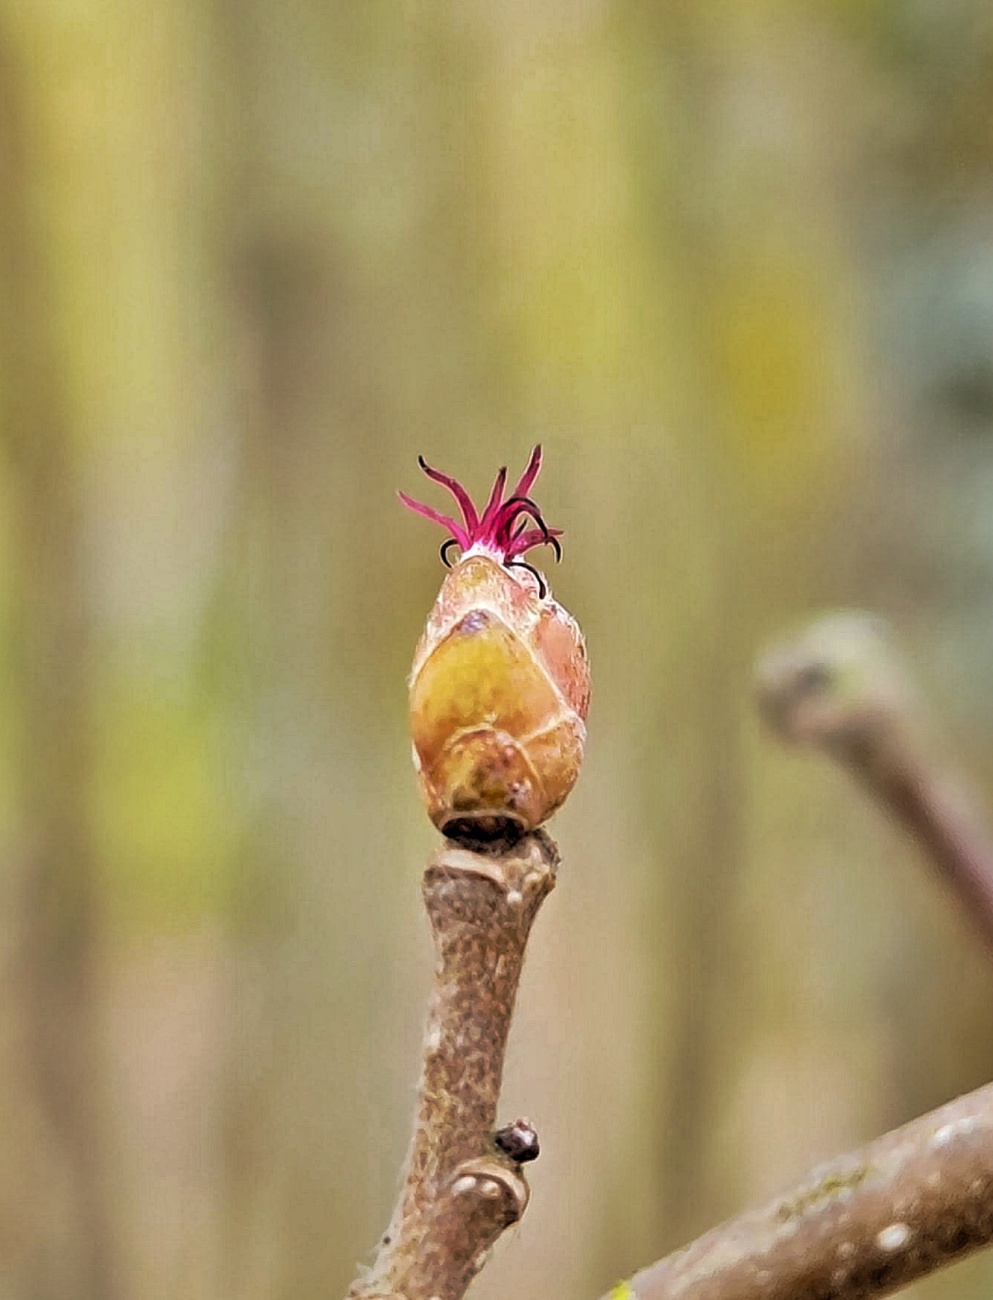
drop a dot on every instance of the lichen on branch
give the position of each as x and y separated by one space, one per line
860 1226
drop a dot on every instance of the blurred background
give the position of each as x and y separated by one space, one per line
732 264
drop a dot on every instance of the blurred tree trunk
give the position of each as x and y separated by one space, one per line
756 305
69 1247
928 557
323 349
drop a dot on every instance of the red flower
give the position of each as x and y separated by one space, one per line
499 531
500 684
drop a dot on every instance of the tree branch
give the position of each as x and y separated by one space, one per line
921 1197
840 687
858 1226
461 1189
937 813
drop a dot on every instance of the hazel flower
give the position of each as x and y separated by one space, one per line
499 689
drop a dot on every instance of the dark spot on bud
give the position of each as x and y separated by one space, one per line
474 621
518 1140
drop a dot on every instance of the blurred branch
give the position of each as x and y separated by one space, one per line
840 687
462 1187
859 1226
922 1196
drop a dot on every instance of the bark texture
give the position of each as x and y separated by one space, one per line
862 1225
460 1191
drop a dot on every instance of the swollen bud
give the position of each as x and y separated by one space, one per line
499 689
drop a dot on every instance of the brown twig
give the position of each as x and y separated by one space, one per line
921 1197
461 1189
840 687
859 1226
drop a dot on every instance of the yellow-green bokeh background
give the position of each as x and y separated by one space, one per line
732 263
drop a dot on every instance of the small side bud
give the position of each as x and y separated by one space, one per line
519 1141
